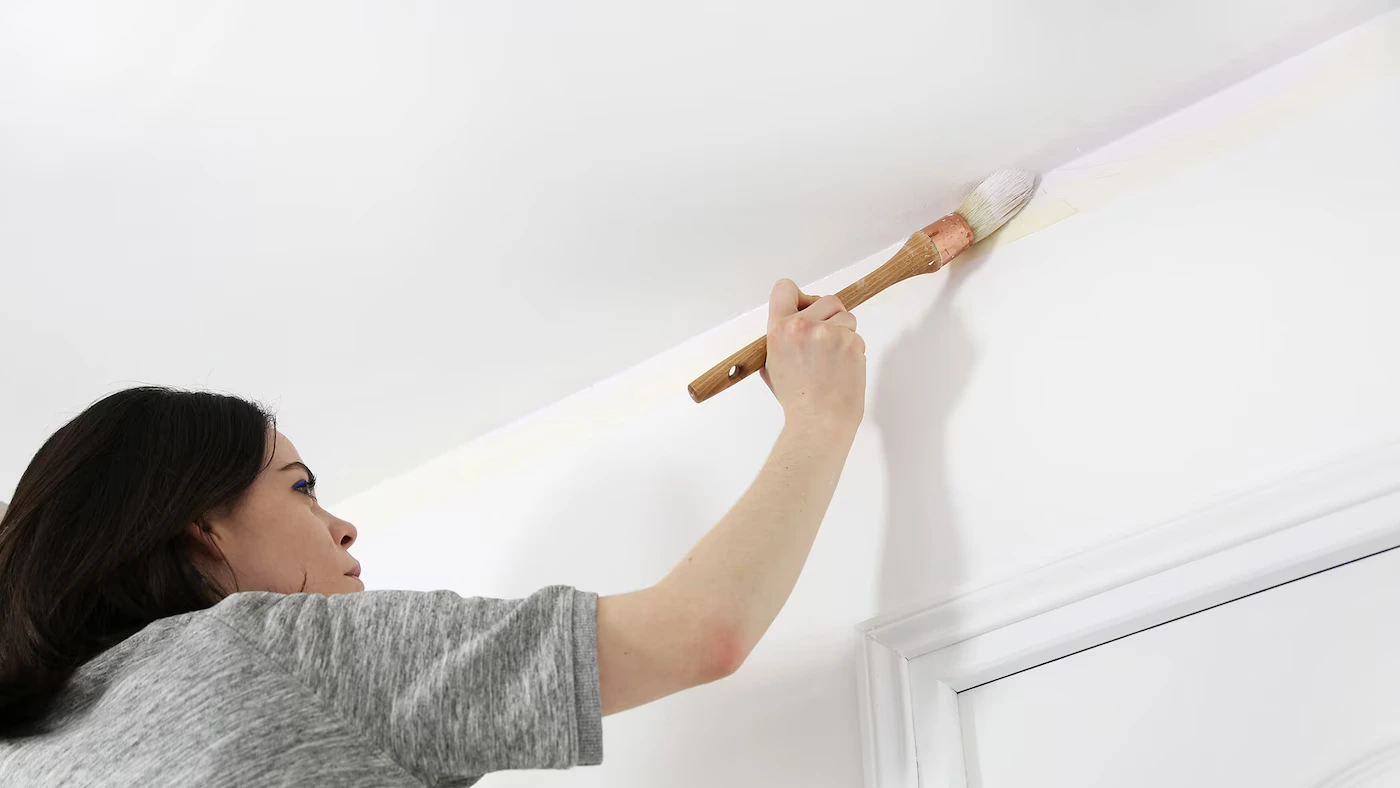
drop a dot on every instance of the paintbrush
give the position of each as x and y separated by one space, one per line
995 200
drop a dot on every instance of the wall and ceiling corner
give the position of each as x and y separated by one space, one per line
430 191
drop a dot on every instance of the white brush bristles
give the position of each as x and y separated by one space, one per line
995 200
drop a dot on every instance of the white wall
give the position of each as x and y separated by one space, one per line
1202 307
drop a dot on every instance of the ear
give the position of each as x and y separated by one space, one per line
202 538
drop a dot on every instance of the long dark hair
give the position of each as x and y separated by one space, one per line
95 544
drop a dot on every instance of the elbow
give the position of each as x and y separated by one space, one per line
722 651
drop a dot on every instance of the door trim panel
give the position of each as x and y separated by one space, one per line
912 664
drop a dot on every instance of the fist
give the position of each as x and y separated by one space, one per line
816 360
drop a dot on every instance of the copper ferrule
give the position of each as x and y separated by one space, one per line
951 236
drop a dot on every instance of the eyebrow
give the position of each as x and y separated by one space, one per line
310 477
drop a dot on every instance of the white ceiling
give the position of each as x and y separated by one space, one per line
405 223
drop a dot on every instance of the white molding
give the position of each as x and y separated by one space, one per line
887 719
1238 546
939 731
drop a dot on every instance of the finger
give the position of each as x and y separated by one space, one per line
860 344
842 319
823 308
804 300
763 373
784 300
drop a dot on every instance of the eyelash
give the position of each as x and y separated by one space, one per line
307 488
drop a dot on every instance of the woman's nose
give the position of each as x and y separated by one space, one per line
343 532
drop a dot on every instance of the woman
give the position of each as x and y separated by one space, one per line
178 609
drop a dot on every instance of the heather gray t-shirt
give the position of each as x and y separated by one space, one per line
379 688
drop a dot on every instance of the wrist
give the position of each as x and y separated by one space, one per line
827 427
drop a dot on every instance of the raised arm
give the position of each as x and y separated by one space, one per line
701 621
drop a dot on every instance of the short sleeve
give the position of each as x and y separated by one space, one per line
451 687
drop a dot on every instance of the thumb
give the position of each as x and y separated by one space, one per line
784 300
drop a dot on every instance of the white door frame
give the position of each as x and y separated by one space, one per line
913 664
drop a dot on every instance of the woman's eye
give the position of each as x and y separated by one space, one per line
305 488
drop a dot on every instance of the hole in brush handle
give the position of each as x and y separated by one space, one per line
727 373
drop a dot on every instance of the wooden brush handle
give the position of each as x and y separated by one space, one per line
919 255
730 371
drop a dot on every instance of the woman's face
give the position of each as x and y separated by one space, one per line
278 538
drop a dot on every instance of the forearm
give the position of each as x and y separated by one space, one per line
744 569
702 620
